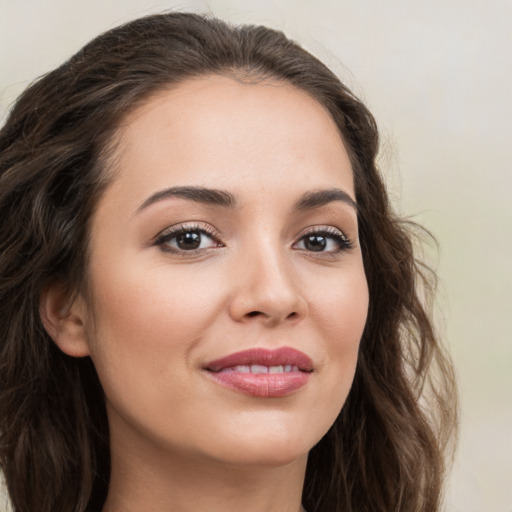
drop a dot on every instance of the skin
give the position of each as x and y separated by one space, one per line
180 441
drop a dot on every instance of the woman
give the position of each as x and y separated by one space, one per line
207 301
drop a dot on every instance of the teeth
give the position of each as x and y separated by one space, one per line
258 368
242 369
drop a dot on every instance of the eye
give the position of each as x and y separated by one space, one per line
327 240
188 238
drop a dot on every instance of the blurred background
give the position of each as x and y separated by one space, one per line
438 77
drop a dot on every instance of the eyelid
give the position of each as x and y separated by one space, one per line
172 231
342 239
324 229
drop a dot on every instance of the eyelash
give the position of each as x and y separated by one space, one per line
164 238
343 242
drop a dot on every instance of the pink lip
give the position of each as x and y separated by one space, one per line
262 384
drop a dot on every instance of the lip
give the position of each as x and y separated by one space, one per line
265 385
281 356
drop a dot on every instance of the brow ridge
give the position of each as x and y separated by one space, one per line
318 198
199 194
309 200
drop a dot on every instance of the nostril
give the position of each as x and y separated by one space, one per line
252 314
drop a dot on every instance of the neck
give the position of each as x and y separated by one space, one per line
155 482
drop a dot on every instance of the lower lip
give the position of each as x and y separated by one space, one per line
265 385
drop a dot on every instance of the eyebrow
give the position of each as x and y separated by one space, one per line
198 194
308 201
318 198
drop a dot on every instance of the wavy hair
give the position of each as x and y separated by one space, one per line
386 449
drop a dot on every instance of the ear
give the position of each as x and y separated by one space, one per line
64 318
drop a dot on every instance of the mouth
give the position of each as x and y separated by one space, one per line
262 373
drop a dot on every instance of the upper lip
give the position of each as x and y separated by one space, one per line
277 357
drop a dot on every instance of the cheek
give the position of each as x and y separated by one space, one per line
148 323
153 299
340 313
340 307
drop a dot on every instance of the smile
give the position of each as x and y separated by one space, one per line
262 373
258 368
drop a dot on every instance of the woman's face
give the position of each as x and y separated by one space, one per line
230 226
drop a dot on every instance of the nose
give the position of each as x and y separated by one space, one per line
266 289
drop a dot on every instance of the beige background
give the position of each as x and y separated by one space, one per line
438 77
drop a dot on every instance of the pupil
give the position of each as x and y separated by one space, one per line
190 240
315 243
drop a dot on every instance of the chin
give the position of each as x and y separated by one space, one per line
266 457
270 448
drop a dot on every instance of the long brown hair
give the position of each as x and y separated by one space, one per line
386 449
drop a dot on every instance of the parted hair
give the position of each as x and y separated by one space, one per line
385 451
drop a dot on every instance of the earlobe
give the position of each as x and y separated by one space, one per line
63 317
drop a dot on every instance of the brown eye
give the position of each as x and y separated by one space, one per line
325 240
186 239
315 243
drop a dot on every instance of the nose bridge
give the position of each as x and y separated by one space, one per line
267 287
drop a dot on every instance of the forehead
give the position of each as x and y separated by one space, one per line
218 132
